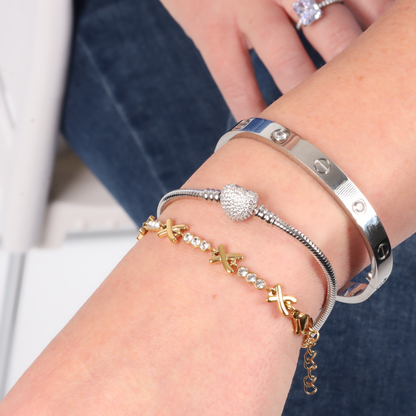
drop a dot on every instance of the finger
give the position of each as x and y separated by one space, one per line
229 62
333 32
367 12
275 40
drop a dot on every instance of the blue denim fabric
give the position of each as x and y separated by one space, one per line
365 353
143 113
140 105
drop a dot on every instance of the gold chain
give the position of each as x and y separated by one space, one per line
310 339
302 323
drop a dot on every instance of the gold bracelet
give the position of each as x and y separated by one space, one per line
302 323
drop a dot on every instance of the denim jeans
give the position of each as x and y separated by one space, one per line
143 112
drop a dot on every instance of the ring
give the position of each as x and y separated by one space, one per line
309 11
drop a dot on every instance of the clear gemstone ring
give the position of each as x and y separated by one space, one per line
309 11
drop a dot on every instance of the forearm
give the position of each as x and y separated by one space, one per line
359 109
168 333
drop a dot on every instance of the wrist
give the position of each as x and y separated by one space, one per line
271 254
288 191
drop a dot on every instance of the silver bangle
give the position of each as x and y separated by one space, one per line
340 187
240 204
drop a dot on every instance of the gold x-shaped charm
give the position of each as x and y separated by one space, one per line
172 231
301 321
276 295
227 260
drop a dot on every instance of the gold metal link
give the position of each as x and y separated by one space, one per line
143 230
283 302
228 260
310 339
302 323
172 231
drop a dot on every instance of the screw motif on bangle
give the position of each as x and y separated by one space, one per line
339 185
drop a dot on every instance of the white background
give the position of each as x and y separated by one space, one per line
56 283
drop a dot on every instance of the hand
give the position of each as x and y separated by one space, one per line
225 30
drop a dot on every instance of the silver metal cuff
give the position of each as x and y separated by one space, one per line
340 187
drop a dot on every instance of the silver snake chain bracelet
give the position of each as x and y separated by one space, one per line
240 204
340 187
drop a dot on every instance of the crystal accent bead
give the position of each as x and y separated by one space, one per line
251 278
308 11
260 284
238 203
153 225
188 238
242 271
204 246
196 241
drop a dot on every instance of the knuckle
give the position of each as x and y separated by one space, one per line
221 69
208 21
340 39
264 30
198 32
236 93
377 9
286 61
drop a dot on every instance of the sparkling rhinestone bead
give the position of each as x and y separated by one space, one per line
188 238
238 203
204 246
308 11
196 241
251 278
260 284
242 271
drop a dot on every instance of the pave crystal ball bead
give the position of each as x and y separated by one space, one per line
238 203
308 11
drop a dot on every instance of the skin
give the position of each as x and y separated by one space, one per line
225 30
169 334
